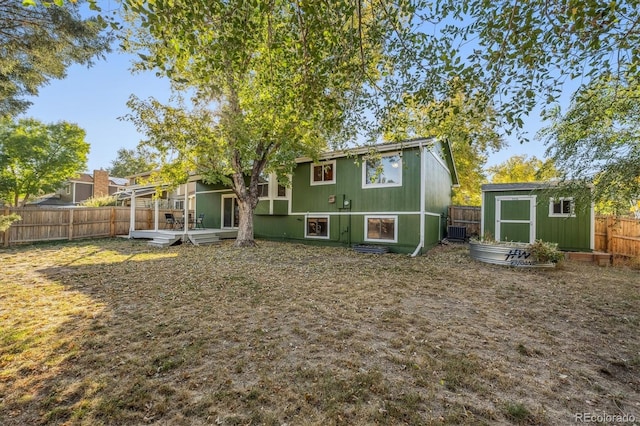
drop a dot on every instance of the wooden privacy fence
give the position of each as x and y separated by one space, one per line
619 236
42 224
465 216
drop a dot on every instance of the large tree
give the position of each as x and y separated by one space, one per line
525 53
131 161
521 168
39 41
470 130
37 158
597 141
272 80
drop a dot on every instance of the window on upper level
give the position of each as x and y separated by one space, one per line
323 173
383 171
264 187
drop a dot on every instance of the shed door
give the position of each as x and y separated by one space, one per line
516 218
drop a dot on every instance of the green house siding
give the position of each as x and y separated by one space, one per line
433 230
346 203
349 186
570 233
209 203
344 229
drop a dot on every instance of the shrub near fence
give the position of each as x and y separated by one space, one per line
42 224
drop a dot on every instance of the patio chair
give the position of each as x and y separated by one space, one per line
200 221
180 222
169 221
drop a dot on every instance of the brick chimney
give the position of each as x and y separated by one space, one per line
100 183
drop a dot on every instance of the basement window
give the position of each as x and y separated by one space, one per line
381 229
317 227
561 207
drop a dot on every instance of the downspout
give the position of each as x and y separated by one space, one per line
422 201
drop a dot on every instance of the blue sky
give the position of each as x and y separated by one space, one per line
95 97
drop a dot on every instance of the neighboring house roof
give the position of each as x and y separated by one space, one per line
82 177
119 181
49 200
88 178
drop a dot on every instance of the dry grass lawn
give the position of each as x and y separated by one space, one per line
116 332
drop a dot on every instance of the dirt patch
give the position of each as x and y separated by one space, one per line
115 332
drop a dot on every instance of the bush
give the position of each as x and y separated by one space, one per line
6 221
100 201
545 252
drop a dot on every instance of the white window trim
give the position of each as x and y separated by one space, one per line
323 182
365 182
375 240
552 201
272 190
317 216
222 198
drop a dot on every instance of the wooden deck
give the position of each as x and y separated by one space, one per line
151 234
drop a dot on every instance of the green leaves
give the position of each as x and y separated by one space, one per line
36 157
596 140
50 37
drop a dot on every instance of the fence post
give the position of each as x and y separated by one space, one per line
70 224
112 222
5 234
609 234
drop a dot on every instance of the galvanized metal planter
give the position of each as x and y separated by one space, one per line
508 254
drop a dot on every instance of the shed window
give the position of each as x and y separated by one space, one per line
323 173
381 228
561 207
317 227
383 171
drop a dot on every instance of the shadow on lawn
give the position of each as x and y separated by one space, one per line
119 333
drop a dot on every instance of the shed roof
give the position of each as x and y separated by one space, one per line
519 186
529 186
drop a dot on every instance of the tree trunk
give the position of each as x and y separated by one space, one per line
245 226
